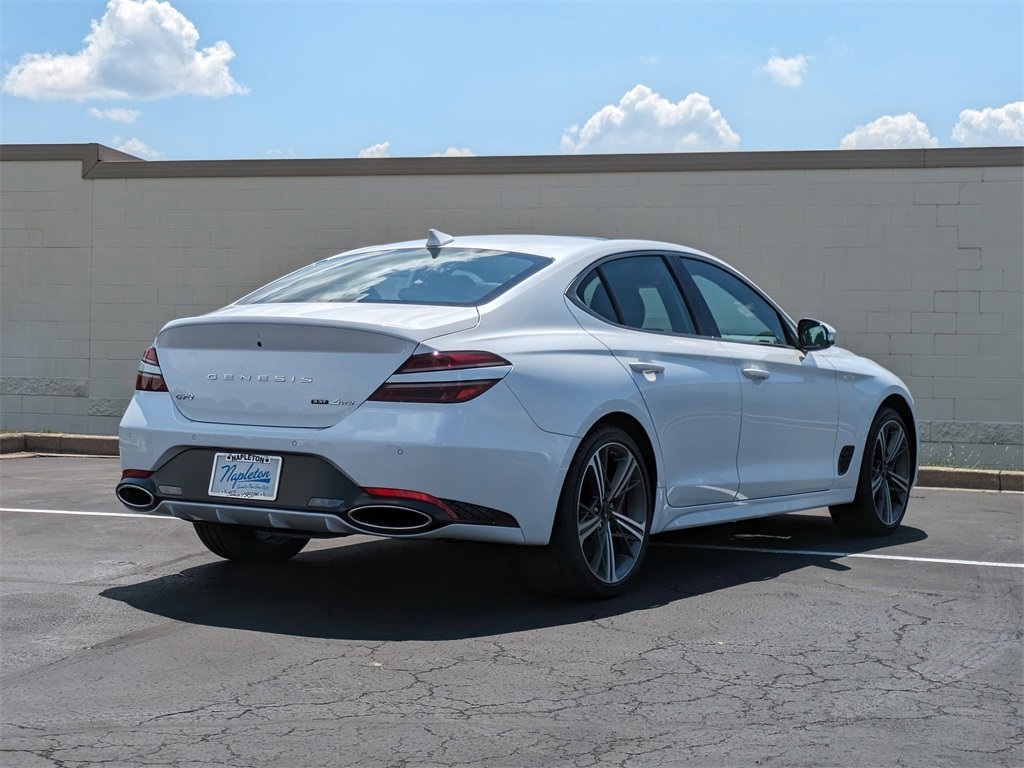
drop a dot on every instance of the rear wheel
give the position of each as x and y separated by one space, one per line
883 487
603 521
247 545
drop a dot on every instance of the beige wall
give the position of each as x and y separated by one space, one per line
916 257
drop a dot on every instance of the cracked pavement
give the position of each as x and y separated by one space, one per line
125 643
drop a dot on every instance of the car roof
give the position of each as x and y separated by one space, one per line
557 247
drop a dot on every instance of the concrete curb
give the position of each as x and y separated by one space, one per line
972 479
46 442
102 445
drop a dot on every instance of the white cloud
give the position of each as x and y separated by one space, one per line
116 115
140 49
788 72
992 126
277 153
890 132
455 152
645 121
376 150
136 147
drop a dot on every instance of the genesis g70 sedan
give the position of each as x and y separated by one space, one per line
570 395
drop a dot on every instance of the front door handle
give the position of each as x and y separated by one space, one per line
642 367
756 374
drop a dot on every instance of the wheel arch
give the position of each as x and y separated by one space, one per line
902 407
635 430
564 565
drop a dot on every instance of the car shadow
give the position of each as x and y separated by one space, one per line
401 590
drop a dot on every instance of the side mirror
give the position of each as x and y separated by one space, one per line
814 334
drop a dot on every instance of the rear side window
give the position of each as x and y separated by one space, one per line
593 293
638 292
455 276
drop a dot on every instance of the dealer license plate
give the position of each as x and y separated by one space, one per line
245 476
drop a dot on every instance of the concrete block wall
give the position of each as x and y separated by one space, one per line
45 296
915 256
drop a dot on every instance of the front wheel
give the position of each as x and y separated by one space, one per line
883 487
248 545
603 522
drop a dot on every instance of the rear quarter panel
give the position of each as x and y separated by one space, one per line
564 377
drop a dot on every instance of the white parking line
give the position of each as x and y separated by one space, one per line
818 553
719 547
84 514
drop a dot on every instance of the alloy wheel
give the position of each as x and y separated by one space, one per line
890 472
612 509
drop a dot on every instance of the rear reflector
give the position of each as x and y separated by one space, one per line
140 473
398 493
150 378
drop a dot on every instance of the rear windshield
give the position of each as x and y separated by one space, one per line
456 276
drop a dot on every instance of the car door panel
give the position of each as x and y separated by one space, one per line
790 403
694 403
689 384
790 411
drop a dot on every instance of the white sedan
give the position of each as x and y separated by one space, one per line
573 395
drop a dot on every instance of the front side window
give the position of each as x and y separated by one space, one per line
740 313
455 276
638 292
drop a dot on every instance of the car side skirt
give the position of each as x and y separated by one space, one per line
676 518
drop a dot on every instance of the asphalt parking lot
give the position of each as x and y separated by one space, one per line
768 643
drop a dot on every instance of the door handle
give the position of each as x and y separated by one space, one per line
756 374
641 367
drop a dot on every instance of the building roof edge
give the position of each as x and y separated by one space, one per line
102 162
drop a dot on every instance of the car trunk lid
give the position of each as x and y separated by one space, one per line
293 365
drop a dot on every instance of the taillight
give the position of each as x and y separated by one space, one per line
150 378
433 392
456 390
450 361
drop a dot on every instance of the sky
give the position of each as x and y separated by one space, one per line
225 79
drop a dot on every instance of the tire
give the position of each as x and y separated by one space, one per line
248 545
884 483
602 524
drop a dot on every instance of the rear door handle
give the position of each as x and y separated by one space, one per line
756 374
641 367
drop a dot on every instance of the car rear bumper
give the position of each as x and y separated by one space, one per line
486 453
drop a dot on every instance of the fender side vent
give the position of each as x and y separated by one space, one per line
845 457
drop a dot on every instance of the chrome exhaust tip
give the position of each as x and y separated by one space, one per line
136 496
389 519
